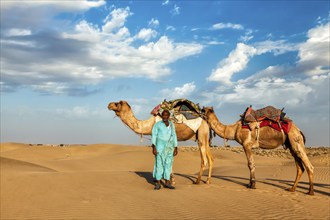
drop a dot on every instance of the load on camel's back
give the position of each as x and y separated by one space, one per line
182 111
268 116
179 106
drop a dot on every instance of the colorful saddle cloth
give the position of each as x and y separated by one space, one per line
268 116
285 125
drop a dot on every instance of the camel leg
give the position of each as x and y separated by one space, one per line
251 164
203 162
300 170
310 172
210 162
204 147
299 150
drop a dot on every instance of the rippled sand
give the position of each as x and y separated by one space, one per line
106 181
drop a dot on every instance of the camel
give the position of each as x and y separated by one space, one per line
265 138
144 127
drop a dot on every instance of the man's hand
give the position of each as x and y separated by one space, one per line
175 151
154 150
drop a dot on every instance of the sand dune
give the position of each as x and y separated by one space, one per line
105 181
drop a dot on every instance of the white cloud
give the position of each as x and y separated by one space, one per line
269 72
86 55
261 92
314 54
146 34
235 62
165 51
63 6
302 88
275 47
47 10
239 58
18 32
175 10
215 42
219 26
179 92
170 28
246 38
116 19
153 22
166 2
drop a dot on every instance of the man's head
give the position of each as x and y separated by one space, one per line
166 115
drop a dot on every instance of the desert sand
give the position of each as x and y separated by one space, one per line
107 181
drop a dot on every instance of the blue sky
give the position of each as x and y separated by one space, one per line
62 62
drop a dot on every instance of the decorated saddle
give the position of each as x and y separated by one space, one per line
268 116
179 106
182 111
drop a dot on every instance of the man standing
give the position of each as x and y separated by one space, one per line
164 147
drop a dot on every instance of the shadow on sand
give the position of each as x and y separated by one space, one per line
147 176
282 184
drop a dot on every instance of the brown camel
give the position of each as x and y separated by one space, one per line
144 127
265 138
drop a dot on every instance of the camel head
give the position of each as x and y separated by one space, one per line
119 107
206 111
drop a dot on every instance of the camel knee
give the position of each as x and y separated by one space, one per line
310 168
300 171
203 165
251 166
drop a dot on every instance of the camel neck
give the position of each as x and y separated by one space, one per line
138 126
224 131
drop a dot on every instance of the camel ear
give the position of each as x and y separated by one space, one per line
119 104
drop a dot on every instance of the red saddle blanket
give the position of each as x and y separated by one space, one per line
286 125
268 112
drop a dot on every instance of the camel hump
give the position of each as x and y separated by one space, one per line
268 112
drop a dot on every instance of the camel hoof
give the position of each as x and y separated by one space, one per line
290 189
251 186
197 182
310 193
208 182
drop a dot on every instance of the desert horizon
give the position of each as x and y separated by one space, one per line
112 181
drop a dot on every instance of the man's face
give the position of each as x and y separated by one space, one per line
165 116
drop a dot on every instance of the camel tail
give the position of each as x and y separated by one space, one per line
302 134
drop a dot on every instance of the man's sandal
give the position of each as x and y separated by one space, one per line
157 186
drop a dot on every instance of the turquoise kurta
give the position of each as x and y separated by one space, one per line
165 140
